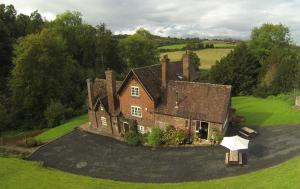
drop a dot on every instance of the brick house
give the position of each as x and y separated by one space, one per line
159 95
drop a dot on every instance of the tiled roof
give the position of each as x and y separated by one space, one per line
150 76
100 93
202 101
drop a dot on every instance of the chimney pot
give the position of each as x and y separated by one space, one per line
164 71
111 90
90 90
186 59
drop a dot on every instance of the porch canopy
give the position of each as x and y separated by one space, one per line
235 143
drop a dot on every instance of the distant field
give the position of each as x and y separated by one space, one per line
224 45
170 47
208 57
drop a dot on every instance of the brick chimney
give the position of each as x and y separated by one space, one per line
90 90
164 71
111 90
186 59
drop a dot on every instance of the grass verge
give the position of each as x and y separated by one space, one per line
61 130
20 174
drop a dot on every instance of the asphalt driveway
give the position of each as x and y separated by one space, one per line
103 157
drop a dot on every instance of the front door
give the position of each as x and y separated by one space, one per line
202 129
126 127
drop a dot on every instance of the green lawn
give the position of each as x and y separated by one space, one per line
20 174
63 129
208 57
171 47
272 111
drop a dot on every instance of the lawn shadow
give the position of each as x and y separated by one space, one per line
256 118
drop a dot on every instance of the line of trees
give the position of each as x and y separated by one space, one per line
44 65
268 64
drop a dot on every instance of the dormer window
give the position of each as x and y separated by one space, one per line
135 91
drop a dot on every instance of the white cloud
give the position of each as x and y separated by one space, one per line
205 18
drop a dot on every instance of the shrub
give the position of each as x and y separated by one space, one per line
178 137
133 138
55 113
155 137
144 138
172 136
216 136
132 125
29 142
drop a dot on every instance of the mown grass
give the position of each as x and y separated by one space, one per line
272 111
171 47
208 57
20 174
61 130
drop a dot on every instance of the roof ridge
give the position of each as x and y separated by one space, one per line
142 67
201 83
146 66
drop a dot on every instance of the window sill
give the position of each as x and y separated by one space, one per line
136 116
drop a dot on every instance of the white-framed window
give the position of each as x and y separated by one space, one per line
103 121
141 129
136 111
135 91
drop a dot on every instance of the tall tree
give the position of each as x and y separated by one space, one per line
107 51
139 50
5 55
266 37
8 16
280 71
239 69
43 70
13 26
4 115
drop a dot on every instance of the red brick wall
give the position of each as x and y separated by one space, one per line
166 120
101 127
95 119
180 123
144 101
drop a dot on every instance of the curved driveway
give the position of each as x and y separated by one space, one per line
98 156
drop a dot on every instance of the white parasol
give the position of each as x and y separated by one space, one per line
235 143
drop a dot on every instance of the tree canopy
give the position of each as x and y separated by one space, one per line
43 71
239 69
139 50
266 37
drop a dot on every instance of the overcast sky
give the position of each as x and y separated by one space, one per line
180 18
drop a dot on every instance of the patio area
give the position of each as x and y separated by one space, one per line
103 157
